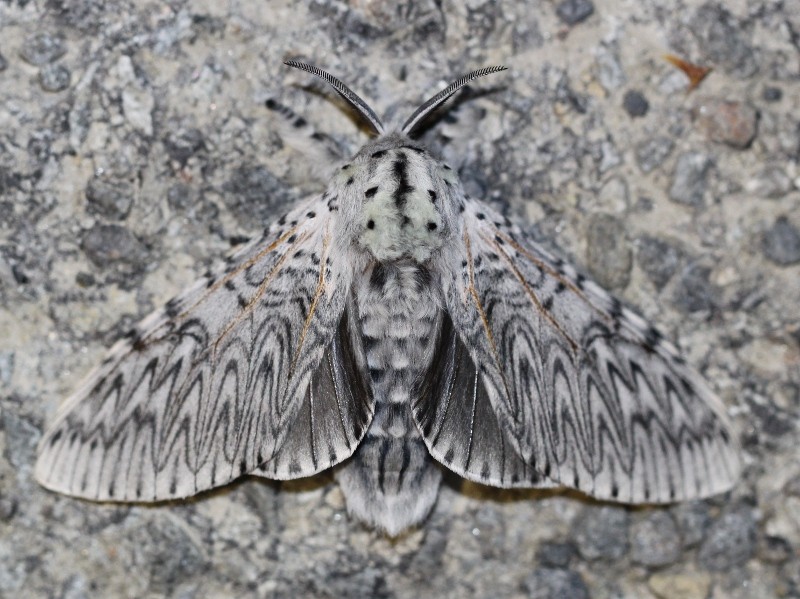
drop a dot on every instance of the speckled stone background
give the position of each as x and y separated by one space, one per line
135 149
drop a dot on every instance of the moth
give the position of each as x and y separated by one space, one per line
391 327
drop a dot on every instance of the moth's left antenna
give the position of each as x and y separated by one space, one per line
420 113
349 95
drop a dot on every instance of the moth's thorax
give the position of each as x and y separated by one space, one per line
397 199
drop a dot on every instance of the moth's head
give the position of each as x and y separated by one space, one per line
396 199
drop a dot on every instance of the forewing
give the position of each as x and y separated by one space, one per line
206 389
587 392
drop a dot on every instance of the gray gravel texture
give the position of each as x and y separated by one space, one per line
135 149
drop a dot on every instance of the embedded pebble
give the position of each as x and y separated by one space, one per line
553 554
174 558
573 12
54 77
694 291
635 104
183 143
43 48
609 257
659 259
730 541
689 178
655 540
771 182
723 40
3 63
180 196
694 585
693 519
652 152
726 121
601 532
106 245
554 583
775 550
781 242
8 507
772 94
110 198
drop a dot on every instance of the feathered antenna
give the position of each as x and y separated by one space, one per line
420 113
349 95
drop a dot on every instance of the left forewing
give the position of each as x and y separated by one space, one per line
206 389
590 395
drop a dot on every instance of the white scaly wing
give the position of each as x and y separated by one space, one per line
586 392
211 386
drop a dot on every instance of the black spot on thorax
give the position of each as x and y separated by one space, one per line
400 171
377 279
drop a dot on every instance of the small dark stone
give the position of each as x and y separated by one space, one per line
110 198
180 196
19 275
774 550
3 63
781 242
21 437
54 77
85 279
184 143
652 152
635 103
601 533
658 259
573 12
772 94
42 48
554 554
555 583
694 292
609 258
8 508
172 558
693 520
689 178
655 540
731 540
106 245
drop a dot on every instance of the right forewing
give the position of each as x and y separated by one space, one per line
206 389
588 394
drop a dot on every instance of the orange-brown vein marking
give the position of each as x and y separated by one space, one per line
484 319
551 271
243 266
262 288
317 294
151 336
531 294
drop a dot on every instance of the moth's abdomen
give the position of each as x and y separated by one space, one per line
391 481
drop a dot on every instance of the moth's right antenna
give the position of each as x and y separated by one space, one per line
350 96
420 113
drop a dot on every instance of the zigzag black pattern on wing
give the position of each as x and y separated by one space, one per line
457 422
586 391
335 414
207 388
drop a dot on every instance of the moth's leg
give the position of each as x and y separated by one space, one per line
319 149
